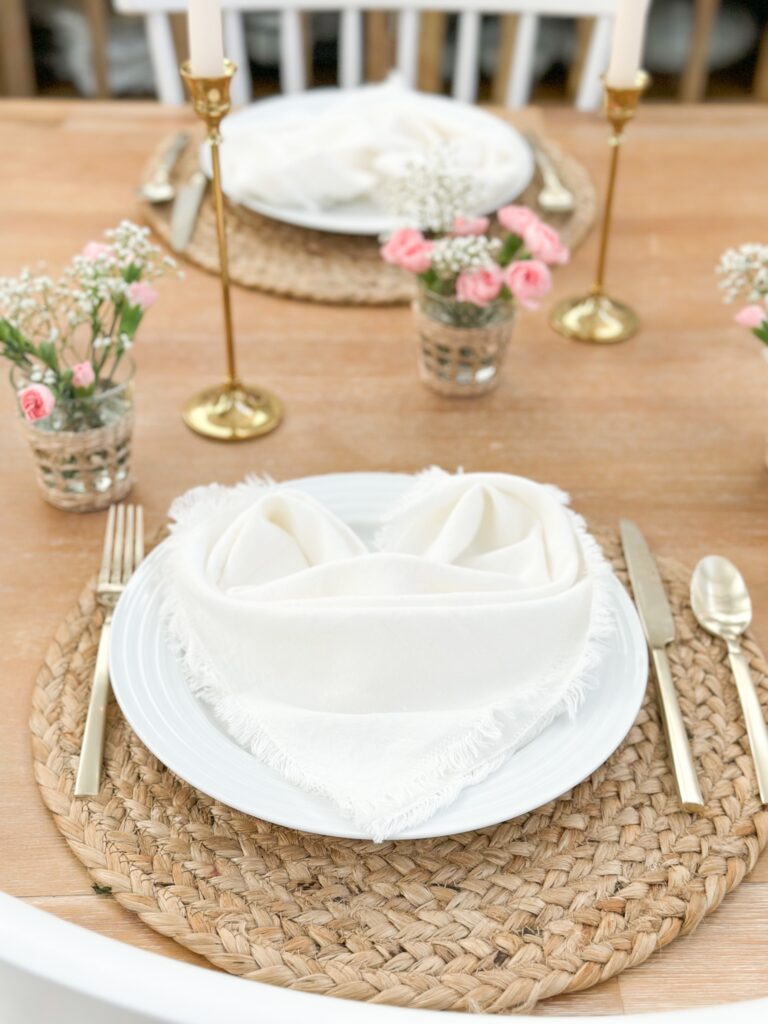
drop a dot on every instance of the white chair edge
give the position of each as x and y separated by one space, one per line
53 970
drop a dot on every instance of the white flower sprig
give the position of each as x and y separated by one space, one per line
451 255
432 190
743 272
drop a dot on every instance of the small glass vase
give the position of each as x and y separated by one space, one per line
82 451
461 346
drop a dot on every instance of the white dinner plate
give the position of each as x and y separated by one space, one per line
364 217
184 734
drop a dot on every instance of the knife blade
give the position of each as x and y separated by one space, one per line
186 207
659 626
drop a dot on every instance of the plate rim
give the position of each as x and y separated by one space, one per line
177 764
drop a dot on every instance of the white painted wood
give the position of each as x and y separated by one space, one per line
236 50
590 91
408 25
520 81
51 970
466 68
165 63
293 76
350 48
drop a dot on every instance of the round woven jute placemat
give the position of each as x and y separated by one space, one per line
492 920
322 267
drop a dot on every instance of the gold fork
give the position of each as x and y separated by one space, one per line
123 551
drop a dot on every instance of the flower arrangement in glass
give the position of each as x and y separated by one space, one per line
68 342
471 271
743 273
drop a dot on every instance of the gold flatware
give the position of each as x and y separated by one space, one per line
159 188
722 605
554 197
659 626
186 207
123 551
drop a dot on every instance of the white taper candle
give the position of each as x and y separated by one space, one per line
628 39
206 38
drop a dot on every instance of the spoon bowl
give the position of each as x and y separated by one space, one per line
157 191
720 599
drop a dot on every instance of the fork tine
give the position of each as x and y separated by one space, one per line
106 554
128 544
117 546
138 555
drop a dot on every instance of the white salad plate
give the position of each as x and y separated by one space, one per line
182 732
364 216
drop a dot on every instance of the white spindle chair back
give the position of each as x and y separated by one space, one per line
351 48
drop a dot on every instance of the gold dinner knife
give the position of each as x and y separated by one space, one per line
659 626
186 208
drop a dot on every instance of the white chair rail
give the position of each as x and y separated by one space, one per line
51 970
407 14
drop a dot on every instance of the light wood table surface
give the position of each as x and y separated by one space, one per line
668 429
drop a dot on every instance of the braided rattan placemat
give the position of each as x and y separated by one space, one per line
322 267
493 920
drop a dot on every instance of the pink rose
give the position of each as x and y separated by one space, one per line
36 401
142 294
517 219
471 225
751 316
480 287
93 250
528 280
83 375
407 248
543 243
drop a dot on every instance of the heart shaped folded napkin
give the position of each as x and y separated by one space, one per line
389 679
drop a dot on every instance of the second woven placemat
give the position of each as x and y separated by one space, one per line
322 267
491 920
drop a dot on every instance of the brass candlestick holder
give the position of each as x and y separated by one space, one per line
231 411
596 317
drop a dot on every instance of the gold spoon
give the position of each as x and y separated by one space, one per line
722 606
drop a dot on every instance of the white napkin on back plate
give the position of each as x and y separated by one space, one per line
387 680
320 159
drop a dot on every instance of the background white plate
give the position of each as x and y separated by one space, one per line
365 217
183 733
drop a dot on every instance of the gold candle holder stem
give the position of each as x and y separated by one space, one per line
231 411
221 231
596 317
605 230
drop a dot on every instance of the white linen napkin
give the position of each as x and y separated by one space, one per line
387 680
317 160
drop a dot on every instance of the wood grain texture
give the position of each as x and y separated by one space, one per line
668 429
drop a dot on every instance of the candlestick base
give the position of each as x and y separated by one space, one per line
594 318
233 412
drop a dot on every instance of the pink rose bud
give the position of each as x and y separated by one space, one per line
83 375
36 401
528 280
142 294
93 250
517 219
480 287
471 225
751 316
543 243
407 248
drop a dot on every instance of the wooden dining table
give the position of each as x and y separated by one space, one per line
668 429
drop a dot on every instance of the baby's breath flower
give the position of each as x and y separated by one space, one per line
744 272
451 255
432 191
